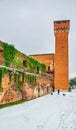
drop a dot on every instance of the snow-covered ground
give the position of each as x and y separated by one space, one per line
50 112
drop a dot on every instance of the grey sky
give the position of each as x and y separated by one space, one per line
28 24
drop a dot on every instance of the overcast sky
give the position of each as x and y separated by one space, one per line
28 24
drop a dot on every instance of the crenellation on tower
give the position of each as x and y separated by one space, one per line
61 26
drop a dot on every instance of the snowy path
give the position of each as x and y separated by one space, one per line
50 112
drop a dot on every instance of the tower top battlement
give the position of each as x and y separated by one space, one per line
61 25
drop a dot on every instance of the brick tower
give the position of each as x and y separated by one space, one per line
61 30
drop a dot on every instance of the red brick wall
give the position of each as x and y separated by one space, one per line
48 59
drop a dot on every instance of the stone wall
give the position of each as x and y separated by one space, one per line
26 91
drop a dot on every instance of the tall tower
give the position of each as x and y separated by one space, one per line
61 30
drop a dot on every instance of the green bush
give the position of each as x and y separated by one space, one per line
72 81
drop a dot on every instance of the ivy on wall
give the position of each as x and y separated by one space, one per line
3 71
18 77
23 77
31 79
18 62
32 65
0 79
8 53
12 56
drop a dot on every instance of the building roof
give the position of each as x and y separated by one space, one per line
41 54
61 21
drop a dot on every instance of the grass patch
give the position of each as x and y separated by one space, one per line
12 103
